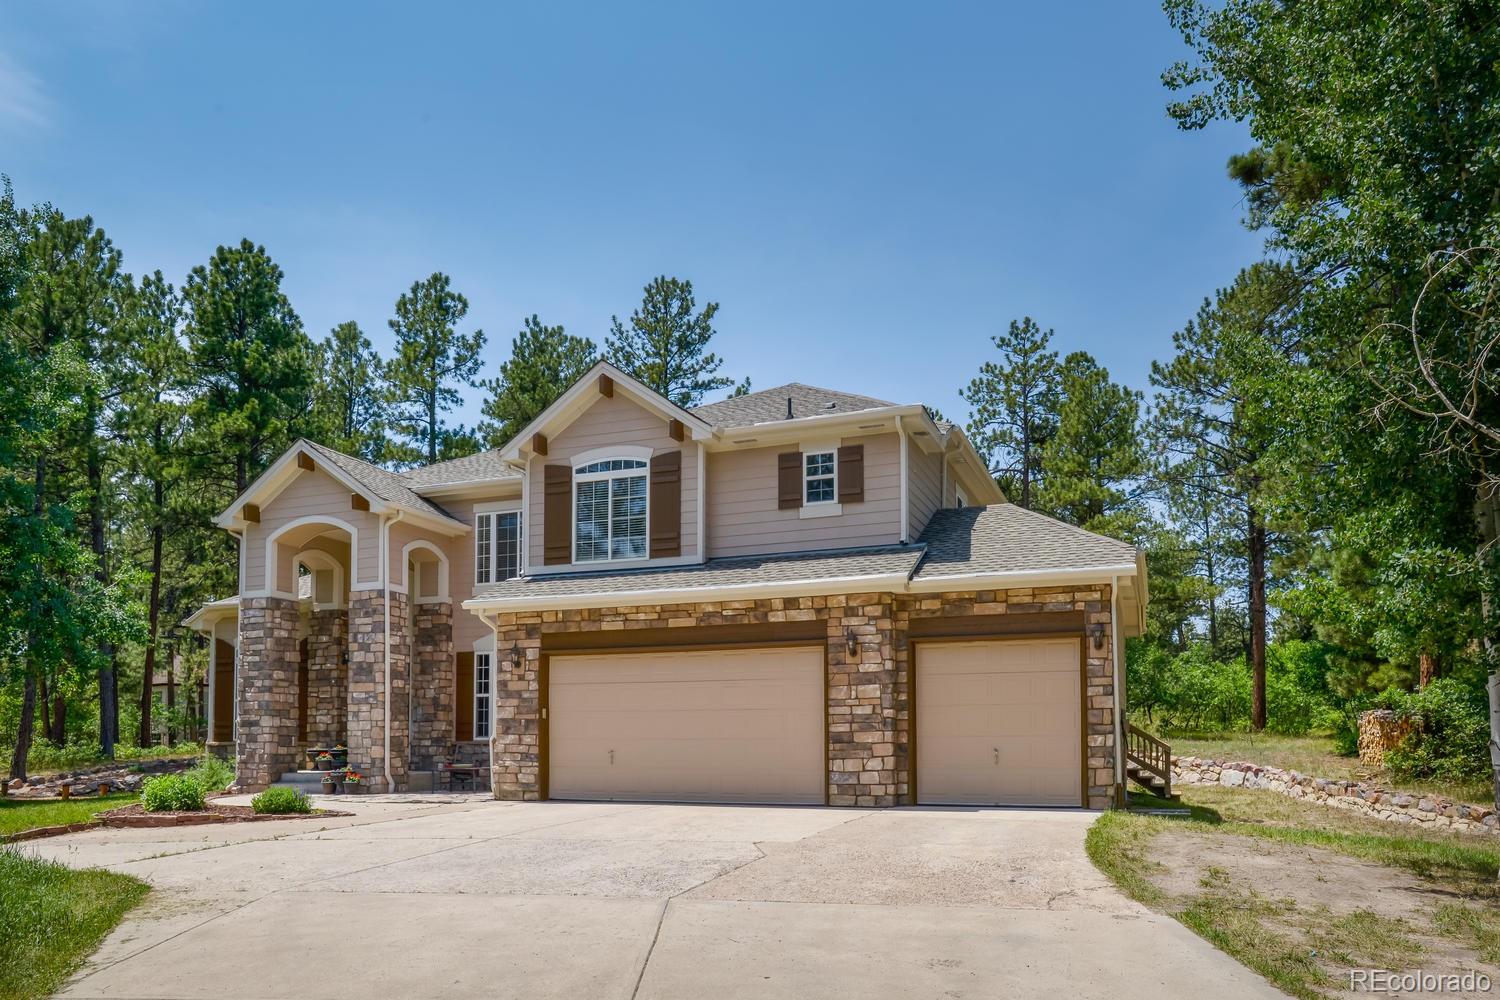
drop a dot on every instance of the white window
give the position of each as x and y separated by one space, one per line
609 510
818 477
497 546
482 701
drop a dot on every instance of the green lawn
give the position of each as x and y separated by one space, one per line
1283 931
52 917
28 814
1315 755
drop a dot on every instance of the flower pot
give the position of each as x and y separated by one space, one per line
323 765
330 787
354 787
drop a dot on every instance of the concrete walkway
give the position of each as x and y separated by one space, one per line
471 898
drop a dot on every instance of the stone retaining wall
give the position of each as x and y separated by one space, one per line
1371 800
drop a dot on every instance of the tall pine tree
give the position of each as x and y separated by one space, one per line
350 400
1014 404
665 344
544 361
432 361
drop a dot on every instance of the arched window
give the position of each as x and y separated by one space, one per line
609 510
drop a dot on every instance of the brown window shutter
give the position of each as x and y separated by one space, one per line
666 504
223 692
789 480
463 699
557 515
851 473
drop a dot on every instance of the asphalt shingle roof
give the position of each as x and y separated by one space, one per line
770 404
389 486
1005 538
787 568
481 465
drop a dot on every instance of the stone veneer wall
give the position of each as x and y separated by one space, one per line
327 676
1357 796
367 694
433 682
267 691
869 690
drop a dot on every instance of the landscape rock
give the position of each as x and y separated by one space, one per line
1362 797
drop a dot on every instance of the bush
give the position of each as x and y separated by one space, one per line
277 801
1451 742
212 774
172 793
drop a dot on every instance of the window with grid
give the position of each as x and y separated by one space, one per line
482 688
818 477
609 516
497 546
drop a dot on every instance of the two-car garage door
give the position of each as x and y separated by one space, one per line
701 726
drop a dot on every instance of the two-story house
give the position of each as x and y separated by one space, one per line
796 595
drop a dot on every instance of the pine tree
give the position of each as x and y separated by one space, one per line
432 361
1094 459
544 361
1014 404
350 399
665 345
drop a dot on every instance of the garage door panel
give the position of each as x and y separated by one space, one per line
999 723
721 726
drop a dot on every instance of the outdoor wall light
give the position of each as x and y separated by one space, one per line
850 640
1096 632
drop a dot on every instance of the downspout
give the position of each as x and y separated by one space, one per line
905 501
385 576
1117 654
493 621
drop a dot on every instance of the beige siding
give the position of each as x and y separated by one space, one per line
925 480
743 518
310 494
611 422
467 627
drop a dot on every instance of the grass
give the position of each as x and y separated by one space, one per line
17 815
1315 755
1292 943
52 917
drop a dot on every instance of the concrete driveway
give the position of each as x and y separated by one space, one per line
581 900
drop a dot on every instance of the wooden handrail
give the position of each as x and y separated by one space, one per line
1149 754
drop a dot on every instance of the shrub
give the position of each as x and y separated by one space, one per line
277 801
1451 742
212 774
172 793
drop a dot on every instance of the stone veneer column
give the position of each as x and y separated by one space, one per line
327 677
516 769
1100 670
367 693
433 683
867 704
268 691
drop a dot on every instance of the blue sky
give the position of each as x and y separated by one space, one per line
869 190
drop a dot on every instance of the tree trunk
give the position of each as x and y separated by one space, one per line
153 616
1427 668
59 734
109 711
1257 558
23 733
44 706
432 429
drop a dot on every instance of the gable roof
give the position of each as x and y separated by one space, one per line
771 404
480 467
392 487
1006 539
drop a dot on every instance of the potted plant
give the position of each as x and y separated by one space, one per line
312 755
354 782
324 761
340 754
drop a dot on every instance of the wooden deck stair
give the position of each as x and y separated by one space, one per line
1148 763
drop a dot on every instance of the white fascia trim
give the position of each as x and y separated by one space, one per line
461 485
588 383
444 525
852 417
273 474
1018 578
624 598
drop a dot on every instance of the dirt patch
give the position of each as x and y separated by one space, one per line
1329 911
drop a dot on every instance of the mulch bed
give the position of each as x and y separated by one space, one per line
135 816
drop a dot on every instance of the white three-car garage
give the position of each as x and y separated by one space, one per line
741 725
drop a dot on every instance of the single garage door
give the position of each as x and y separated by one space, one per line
1000 723
735 726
